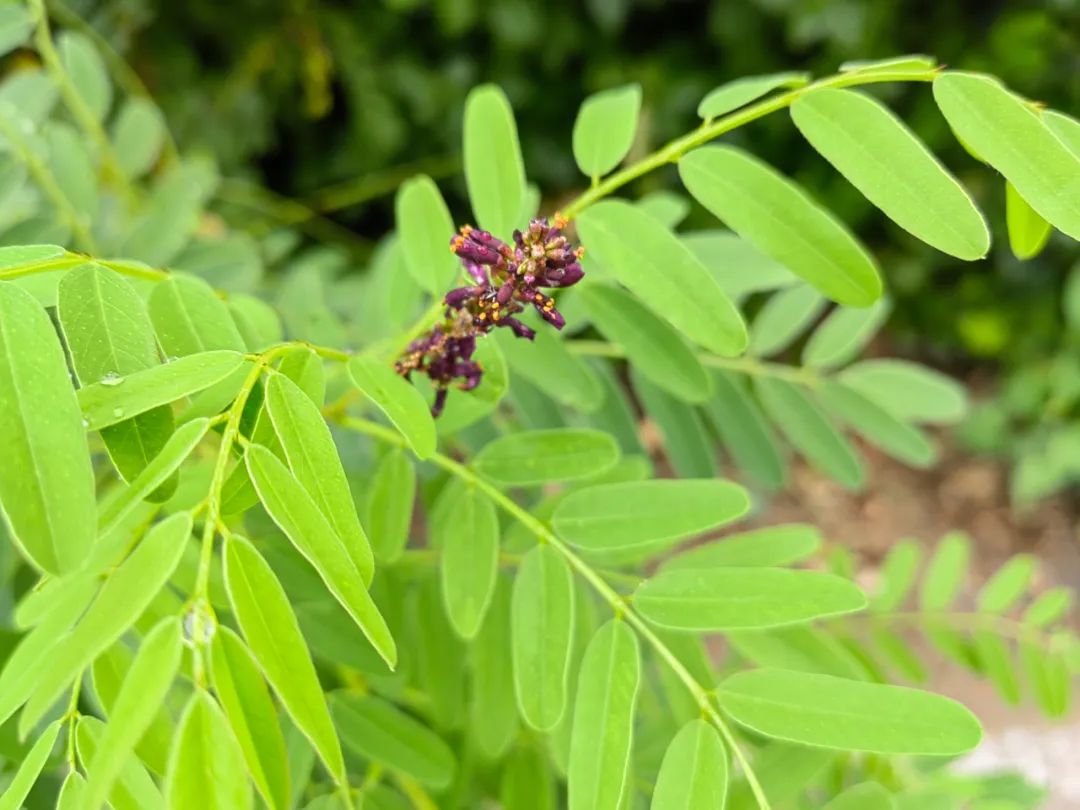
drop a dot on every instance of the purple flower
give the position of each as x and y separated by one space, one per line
506 281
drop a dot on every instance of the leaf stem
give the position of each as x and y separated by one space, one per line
620 605
673 150
741 365
48 185
82 114
967 621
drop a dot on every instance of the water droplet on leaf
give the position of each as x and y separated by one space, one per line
112 378
117 412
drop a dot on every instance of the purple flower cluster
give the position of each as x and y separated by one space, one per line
506 281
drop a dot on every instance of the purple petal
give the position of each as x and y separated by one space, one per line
518 328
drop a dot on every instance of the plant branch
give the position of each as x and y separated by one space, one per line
82 114
673 150
620 605
359 190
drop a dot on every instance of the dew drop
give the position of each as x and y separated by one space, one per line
85 422
172 358
112 378
117 412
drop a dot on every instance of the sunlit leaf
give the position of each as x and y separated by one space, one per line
313 459
604 719
778 217
425 228
46 483
831 712
542 622
115 399
718 599
694 773
29 769
885 160
377 730
539 456
251 715
470 560
616 516
604 129
655 349
660 270
134 789
1006 133
270 628
296 512
740 92
141 693
402 404
206 767
494 173
1028 232
768 546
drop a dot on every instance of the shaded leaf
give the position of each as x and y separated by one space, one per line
909 391
539 456
469 544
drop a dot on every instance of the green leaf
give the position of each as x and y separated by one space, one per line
1028 232
843 334
604 129
1007 585
134 789
995 660
313 459
810 431
270 628
604 719
467 407
127 592
297 514
781 220
424 229
71 792
784 772
686 444
469 561
620 516
541 456
189 318
87 71
440 657
1049 677
655 349
667 207
403 405
169 216
660 270
830 712
1065 127
1006 133
875 424
138 134
802 647
898 573
251 714
46 482
258 322
769 546
785 316
493 712
142 692
542 624
892 168
159 470
740 92
494 172
735 416
547 363
909 391
109 335
16 25
380 732
29 769
527 781
206 766
73 168
945 573
717 599
738 267
864 796
390 506
1048 607
915 63
115 399
694 773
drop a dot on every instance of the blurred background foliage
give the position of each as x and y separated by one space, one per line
330 105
